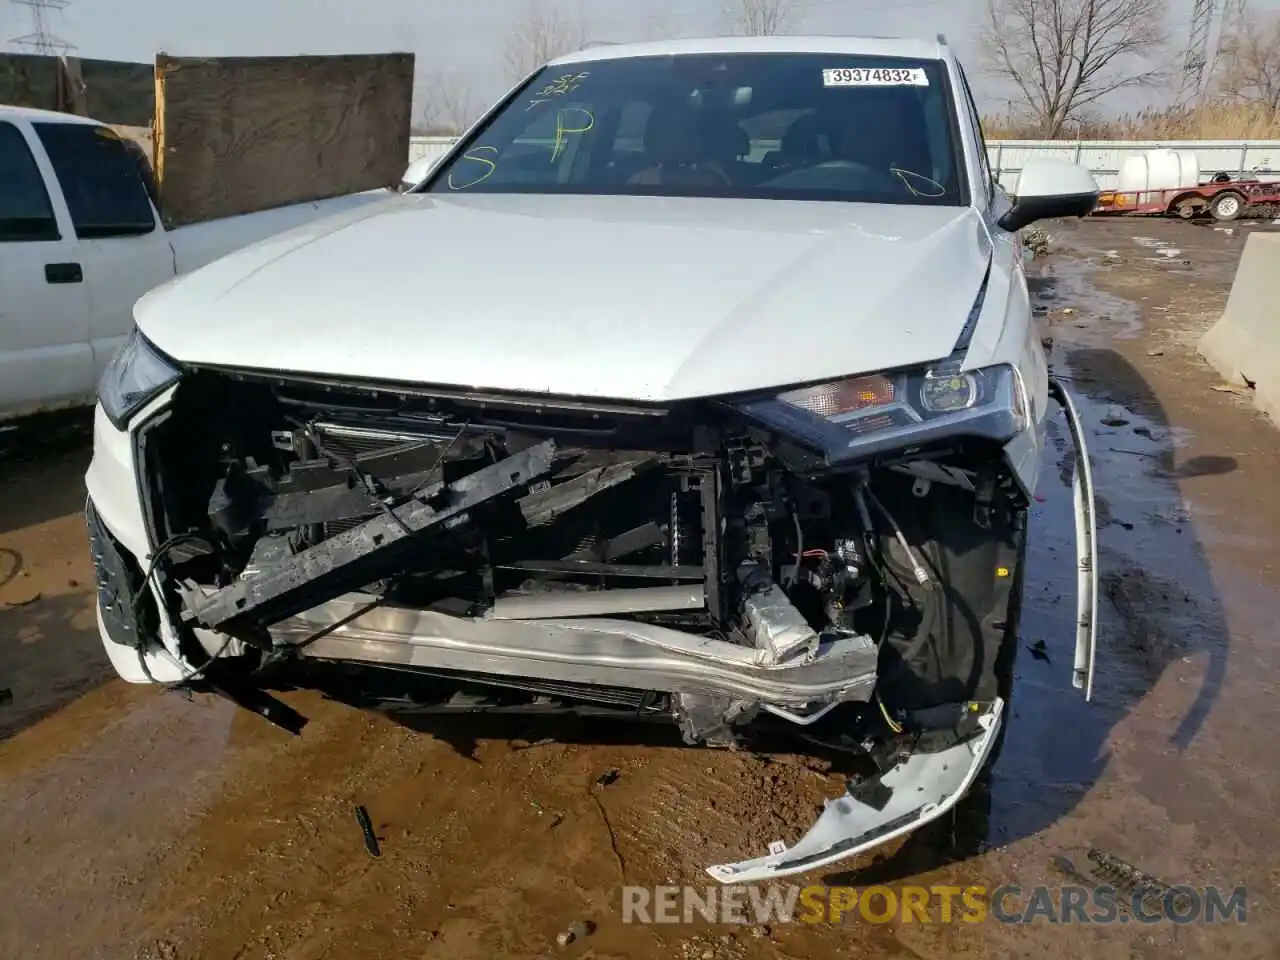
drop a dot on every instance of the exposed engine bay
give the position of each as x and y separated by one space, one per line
445 551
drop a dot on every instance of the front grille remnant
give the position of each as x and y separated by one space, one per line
365 553
685 551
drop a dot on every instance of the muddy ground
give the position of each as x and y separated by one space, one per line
134 824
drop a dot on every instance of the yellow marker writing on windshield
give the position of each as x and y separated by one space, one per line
488 166
558 88
564 127
934 188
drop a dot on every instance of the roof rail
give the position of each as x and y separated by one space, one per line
599 43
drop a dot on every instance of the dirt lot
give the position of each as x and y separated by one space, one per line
134 824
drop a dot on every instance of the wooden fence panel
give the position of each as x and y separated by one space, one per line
29 80
118 92
236 135
107 90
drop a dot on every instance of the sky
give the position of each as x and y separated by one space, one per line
462 40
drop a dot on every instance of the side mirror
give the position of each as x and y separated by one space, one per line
1048 189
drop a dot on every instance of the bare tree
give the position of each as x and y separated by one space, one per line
1249 62
445 103
759 18
1066 55
543 32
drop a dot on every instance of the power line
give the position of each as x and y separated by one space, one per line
41 39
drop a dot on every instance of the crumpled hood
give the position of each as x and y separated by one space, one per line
630 298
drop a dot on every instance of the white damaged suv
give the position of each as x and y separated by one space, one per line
697 382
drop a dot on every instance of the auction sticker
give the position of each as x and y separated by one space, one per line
875 77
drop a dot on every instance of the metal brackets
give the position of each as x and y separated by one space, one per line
364 553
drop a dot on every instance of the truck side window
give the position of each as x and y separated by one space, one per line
100 178
25 211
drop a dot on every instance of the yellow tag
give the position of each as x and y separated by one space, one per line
1002 571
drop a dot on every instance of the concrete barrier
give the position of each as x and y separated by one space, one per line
1244 345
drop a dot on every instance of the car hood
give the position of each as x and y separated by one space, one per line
629 298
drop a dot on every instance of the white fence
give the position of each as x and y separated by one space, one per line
434 147
1257 158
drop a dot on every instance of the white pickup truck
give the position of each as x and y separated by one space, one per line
80 241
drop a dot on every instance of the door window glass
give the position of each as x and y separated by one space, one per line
25 211
101 179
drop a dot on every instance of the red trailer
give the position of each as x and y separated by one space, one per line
1220 199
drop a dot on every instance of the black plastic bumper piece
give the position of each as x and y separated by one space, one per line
363 554
231 686
118 586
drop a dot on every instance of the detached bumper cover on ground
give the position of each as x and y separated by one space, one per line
919 789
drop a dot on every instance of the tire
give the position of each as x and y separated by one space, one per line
1226 206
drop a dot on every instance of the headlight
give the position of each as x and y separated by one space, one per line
136 374
854 418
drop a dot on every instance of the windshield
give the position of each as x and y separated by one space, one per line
800 126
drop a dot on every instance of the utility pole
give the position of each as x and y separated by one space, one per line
41 39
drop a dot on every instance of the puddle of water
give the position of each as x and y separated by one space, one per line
1069 282
1044 702
1162 247
1151 615
1158 603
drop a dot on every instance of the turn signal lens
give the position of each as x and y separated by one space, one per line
844 396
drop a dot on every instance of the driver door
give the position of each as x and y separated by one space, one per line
46 360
